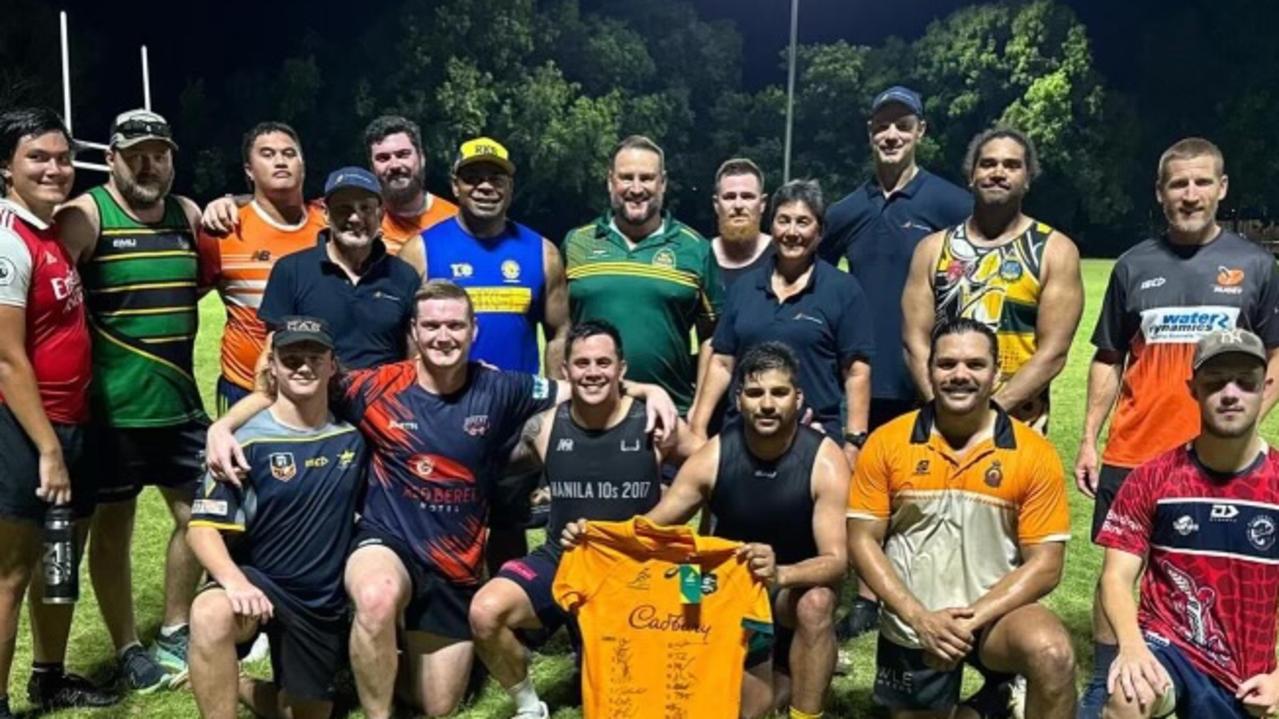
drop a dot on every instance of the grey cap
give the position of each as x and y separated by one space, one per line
136 126
1236 341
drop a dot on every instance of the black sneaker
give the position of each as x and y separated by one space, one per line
59 690
4 708
862 617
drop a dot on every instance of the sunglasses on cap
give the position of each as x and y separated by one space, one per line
138 128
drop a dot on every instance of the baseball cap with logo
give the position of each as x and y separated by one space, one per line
135 126
484 149
295 330
901 96
353 177
1220 342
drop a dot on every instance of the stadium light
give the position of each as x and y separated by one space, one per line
790 89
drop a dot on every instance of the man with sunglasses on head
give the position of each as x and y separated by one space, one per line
136 246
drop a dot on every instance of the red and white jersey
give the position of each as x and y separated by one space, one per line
37 274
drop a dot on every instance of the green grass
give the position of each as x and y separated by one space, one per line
90 650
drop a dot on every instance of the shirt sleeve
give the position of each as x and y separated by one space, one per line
711 300
279 296
837 234
209 249
15 269
1129 522
855 332
1265 321
1111 333
956 206
219 505
355 387
1044 514
868 493
725 341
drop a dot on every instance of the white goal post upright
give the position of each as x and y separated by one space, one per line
66 96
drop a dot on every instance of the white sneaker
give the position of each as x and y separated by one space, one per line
540 713
261 648
1017 697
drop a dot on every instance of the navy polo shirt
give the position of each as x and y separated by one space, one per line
878 235
828 325
369 319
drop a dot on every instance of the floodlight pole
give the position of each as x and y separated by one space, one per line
66 73
790 89
146 80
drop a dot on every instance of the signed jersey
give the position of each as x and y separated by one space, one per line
665 616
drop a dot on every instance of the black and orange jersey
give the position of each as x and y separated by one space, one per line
435 457
666 616
1161 299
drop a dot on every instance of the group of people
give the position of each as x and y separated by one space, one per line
380 359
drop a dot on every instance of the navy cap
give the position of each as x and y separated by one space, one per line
900 95
356 177
302 329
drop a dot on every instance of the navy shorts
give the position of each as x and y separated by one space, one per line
905 682
535 574
228 394
1197 694
436 605
129 459
20 471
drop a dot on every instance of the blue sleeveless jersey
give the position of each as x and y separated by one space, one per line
505 278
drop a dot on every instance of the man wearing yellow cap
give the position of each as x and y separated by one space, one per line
516 280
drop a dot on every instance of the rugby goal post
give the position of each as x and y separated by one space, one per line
66 97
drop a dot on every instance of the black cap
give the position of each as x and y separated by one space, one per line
899 95
295 330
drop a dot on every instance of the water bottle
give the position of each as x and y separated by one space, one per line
61 575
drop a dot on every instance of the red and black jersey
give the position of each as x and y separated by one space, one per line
1161 299
435 457
37 274
1211 585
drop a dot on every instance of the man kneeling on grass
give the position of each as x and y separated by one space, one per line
288 523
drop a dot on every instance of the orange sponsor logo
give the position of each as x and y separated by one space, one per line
1229 277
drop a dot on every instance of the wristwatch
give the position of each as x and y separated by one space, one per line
857 439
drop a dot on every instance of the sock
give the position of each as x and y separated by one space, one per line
1094 696
797 714
47 668
1103 655
525 696
126 649
169 630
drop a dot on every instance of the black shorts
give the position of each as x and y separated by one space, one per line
126 460
535 574
1108 484
904 682
307 648
436 605
20 470
883 411
510 504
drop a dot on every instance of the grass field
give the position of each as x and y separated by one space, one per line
90 651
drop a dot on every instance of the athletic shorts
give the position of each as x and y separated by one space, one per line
1108 484
228 394
510 504
775 647
436 605
20 471
1194 694
307 649
535 574
904 682
126 460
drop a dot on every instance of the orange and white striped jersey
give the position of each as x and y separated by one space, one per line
399 229
238 265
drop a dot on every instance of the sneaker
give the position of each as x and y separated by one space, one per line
141 672
862 618
540 713
4 708
59 690
260 650
171 653
1017 697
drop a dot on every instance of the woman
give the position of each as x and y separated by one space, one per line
44 376
806 303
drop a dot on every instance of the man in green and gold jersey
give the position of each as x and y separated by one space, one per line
135 244
650 275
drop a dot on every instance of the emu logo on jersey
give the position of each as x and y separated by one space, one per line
1261 532
283 467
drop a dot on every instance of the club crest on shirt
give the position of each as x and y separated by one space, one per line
1261 531
7 272
664 258
477 425
995 474
511 270
283 467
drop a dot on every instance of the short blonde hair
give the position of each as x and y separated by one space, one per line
442 290
1187 149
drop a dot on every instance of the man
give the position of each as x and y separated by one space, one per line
1200 521
1164 294
600 465
347 278
876 228
396 157
292 520
440 428
769 460
739 203
958 520
44 380
136 243
1005 269
646 272
275 223
516 279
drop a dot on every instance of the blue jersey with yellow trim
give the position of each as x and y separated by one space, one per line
505 278
295 512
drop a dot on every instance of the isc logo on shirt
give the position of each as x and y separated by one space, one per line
209 506
1185 325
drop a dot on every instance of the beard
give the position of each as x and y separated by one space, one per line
404 194
142 194
739 232
619 210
